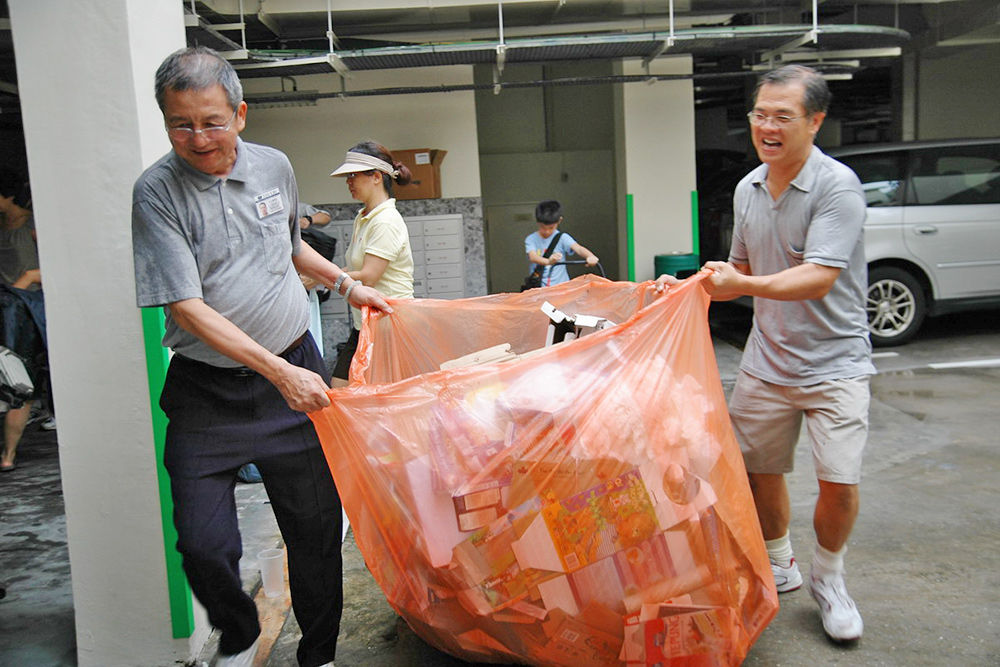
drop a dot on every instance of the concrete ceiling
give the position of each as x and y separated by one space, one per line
726 38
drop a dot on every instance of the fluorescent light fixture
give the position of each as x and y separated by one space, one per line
818 64
887 52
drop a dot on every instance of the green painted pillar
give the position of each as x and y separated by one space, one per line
157 360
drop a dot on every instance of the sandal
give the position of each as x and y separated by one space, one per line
9 468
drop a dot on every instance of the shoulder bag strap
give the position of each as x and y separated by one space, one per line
539 269
552 245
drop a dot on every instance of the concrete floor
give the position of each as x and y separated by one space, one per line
923 566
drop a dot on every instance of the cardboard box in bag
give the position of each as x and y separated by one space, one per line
425 166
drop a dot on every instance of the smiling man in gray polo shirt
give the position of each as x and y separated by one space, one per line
216 242
798 250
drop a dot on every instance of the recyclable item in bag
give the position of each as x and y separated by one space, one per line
584 504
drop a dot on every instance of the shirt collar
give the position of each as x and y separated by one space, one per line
804 180
241 169
203 181
388 203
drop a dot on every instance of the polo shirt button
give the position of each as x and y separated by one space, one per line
230 211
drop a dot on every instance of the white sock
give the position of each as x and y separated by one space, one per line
828 562
780 550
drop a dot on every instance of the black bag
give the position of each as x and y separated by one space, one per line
324 244
534 278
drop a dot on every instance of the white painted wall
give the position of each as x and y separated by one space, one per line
92 125
316 138
659 161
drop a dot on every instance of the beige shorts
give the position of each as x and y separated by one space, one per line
767 420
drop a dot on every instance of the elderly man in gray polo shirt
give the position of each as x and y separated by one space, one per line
216 242
798 251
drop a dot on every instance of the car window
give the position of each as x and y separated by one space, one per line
956 175
881 176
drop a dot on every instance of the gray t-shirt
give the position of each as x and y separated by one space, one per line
228 241
819 219
18 252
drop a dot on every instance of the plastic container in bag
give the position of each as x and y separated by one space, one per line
580 505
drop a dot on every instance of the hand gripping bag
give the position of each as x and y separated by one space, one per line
581 505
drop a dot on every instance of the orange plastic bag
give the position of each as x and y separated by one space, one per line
584 506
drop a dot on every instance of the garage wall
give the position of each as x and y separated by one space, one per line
547 142
660 168
958 95
316 138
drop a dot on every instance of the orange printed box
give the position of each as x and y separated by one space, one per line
480 506
571 640
591 525
671 634
487 563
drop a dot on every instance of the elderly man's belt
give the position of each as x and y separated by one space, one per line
243 371
295 344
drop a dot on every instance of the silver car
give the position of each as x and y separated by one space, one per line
932 237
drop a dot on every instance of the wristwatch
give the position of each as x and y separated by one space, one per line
309 218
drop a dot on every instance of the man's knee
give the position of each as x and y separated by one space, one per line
844 497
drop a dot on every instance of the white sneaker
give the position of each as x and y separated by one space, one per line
786 579
841 618
242 659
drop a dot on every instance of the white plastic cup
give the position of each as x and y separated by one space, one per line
272 571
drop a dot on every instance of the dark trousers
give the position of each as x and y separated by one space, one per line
221 419
345 355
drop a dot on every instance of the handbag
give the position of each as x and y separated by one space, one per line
321 242
534 278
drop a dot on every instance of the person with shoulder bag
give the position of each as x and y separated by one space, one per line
546 268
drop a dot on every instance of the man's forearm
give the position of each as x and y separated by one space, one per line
310 263
204 322
301 388
803 282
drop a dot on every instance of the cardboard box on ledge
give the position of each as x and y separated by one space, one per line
425 165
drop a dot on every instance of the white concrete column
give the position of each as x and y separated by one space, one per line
659 167
85 74
910 94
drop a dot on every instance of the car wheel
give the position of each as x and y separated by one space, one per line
896 305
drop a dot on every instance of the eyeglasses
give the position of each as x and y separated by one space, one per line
355 174
759 119
210 132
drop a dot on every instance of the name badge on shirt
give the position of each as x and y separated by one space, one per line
268 203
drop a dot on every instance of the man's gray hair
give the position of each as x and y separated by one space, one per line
197 68
817 96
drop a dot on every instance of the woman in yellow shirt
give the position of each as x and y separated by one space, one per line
379 253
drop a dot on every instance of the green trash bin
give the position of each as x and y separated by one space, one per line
678 264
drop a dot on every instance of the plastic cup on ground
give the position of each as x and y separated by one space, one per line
272 571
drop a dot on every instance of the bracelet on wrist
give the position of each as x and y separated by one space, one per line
350 288
340 281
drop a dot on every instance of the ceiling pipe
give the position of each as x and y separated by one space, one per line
243 27
501 46
670 39
329 24
454 88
